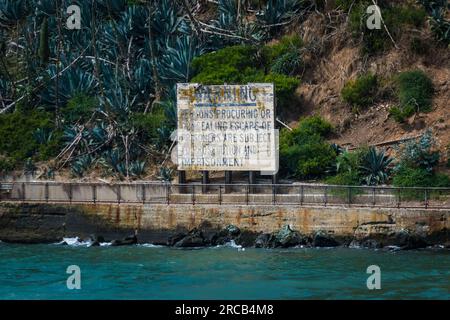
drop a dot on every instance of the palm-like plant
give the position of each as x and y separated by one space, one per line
376 167
279 11
12 11
81 165
72 82
43 136
137 168
175 65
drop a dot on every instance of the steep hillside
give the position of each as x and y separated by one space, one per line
326 75
99 103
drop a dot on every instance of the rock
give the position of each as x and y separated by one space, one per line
408 241
287 237
365 243
96 240
175 238
323 239
246 239
194 238
225 235
232 230
263 240
125 242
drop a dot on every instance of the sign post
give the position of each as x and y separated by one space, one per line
227 128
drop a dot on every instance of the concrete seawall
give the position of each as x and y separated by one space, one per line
34 223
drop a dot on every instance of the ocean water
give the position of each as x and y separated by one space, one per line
230 272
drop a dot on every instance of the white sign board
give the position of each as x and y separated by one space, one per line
227 127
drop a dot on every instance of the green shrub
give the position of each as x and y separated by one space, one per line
419 177
415 88
361 92
304 153
284 86
240 65
316 125
417 163
415 93
448 156
6 165
17 131
346 178
405 15
286 44
419 153
79 108
149 123
232 65
346 168
395 16
52 147
285 56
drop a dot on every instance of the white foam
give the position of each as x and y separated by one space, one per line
149 245
77 242
232 244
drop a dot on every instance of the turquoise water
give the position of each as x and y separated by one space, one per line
139 272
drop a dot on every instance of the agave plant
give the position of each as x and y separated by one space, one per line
81 165
142 76
165 174
419 153
227 14
11 11
175 65
119 101
165 19
376 167
137 168
113 160
279 11
43 136
72 82
288 63
437 10
47 7
29 168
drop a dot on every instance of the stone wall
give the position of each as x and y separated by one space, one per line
155 223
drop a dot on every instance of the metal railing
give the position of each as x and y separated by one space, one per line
221 194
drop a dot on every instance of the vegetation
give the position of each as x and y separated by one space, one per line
363 166
375 167
27 135
243 64
415 92
436 10
346 169
395 17
103 97
119 106
361 92
304 153
416 164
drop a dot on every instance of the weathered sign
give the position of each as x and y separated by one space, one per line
227 127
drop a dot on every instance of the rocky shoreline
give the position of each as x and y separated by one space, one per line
286 237
202 226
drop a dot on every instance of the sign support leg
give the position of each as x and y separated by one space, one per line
252 181
228 181
182 180
205 181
